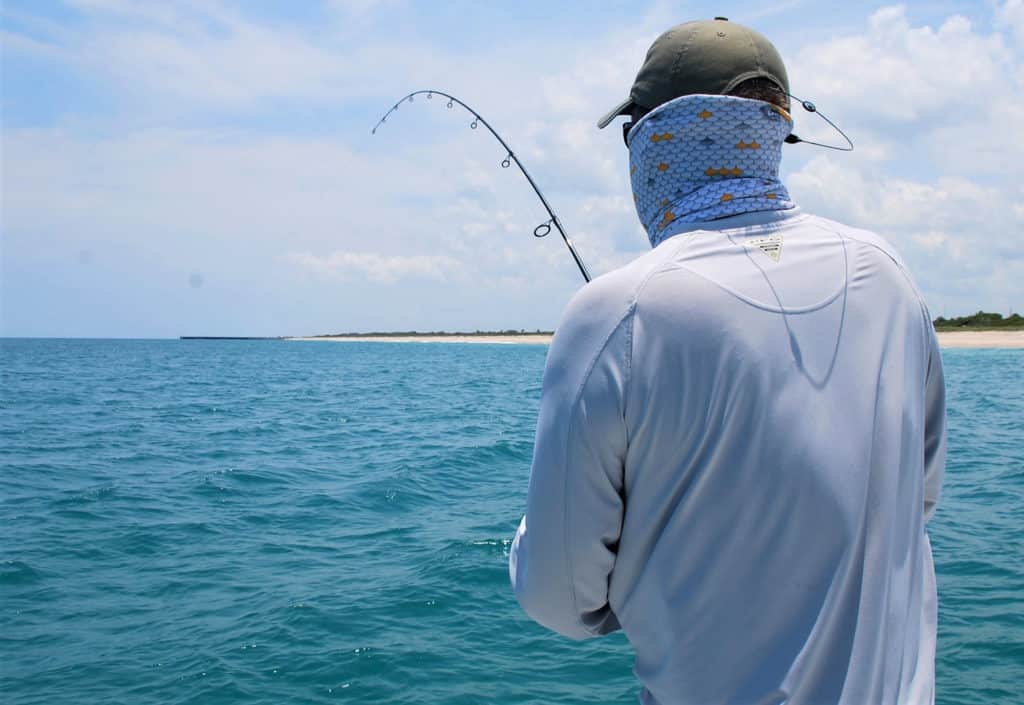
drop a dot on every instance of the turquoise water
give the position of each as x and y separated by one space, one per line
274 522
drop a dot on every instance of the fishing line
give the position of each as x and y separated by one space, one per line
541 230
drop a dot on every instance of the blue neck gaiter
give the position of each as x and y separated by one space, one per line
703 157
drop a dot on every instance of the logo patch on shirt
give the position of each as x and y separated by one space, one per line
771 245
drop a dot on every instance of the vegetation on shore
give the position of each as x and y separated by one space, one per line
980 321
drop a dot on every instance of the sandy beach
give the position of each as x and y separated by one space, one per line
957 339
982 339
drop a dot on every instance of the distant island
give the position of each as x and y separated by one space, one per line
980 321
438 334
979 330
535 337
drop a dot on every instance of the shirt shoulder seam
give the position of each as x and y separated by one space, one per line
626 318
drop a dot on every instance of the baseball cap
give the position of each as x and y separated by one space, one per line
705 56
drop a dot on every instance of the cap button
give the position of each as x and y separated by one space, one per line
723 19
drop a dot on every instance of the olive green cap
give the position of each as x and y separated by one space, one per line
707 57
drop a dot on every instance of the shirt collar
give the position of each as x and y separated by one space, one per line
744 220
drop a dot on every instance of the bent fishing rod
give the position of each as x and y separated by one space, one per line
541 230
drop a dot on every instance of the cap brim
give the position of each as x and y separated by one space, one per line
622 108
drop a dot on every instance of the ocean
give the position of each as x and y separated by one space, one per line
285 522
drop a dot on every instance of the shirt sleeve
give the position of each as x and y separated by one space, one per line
934 428
564 552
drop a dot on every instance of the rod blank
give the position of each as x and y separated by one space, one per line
541 230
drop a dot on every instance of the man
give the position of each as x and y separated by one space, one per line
741 434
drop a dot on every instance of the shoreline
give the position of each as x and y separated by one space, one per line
1003 339
525 339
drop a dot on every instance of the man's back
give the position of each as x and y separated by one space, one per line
734 456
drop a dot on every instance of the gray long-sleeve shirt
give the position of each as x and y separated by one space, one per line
735 461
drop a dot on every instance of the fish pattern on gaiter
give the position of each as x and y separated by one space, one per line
703 157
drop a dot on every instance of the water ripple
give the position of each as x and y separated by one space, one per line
264 522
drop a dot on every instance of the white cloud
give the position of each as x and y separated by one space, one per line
379 268
935 107
936 241
1011 16
231 65
902 73
182 56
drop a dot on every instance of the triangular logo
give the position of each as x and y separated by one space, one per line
771 246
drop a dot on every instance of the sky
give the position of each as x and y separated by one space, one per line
206 167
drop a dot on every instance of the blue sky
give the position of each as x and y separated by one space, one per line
207 168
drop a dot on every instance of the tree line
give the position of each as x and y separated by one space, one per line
981 319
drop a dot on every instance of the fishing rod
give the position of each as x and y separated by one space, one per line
541 230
